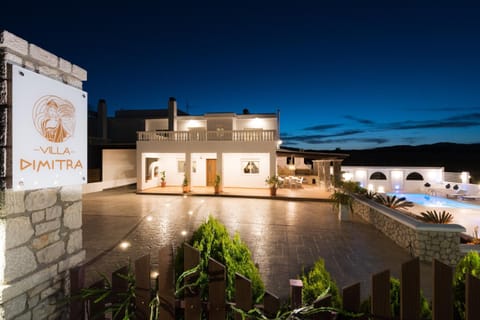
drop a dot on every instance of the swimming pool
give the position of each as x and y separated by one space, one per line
433 201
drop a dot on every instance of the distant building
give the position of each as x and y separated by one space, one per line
118 132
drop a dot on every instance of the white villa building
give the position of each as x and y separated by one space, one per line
239 148
242 148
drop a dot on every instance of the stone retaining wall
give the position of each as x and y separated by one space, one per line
40 230
425 240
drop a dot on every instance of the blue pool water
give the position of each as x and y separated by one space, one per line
438 202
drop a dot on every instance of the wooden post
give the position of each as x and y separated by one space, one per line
351 298
410 290
296 286
472 292
271 304
166 285
442 303
381 295
217 284
142 287
243 294
193 307
77 281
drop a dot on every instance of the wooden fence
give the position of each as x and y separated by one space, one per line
192 307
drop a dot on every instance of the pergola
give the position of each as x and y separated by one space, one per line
322 163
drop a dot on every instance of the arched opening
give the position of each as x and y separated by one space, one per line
378 176
415 176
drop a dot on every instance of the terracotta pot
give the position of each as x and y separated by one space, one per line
163 184
217 189
185 189
273 191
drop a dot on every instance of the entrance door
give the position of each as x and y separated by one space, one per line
211 171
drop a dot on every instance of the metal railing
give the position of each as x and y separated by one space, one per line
187 136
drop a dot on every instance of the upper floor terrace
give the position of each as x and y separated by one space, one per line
248 135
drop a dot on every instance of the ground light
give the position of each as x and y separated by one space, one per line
125 245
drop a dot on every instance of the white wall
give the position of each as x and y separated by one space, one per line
118 164
396 177
199 177
233 175
168 162
156 124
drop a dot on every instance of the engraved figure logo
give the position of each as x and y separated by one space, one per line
54 118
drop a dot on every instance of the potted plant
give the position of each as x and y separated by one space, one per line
162 179
273 182
216 185
185 184
343 202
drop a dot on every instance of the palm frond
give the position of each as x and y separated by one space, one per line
432 216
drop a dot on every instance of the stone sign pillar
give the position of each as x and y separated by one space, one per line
40 229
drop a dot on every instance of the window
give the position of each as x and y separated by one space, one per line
415 176
181 166
378 176
251 167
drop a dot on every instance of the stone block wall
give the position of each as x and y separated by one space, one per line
40 230
423 240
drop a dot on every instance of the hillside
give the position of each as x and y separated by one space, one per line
453 157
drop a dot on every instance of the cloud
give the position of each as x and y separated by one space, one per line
330 138
449 109
359 120
430 124
311 137
322 127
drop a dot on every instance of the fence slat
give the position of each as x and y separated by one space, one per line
166 276
119 286
243 294
442 303
351 298
77 281
472 292
323 302
381 295
271 304
296 286
142 287
97 310
216 290
410 290
193 306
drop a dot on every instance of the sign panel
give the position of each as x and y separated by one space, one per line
49 132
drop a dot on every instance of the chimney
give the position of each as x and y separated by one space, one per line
172 114
102 130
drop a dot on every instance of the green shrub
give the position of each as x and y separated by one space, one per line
316 282
425 311
470 264
212 240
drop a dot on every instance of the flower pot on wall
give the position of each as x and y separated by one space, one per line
273 191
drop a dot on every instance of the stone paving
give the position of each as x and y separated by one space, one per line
284 236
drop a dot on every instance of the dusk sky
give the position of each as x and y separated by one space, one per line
343 76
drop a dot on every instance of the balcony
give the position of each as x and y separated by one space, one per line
202 135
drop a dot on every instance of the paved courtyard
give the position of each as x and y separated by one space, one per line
284 236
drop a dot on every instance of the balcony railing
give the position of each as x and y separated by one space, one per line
187 136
